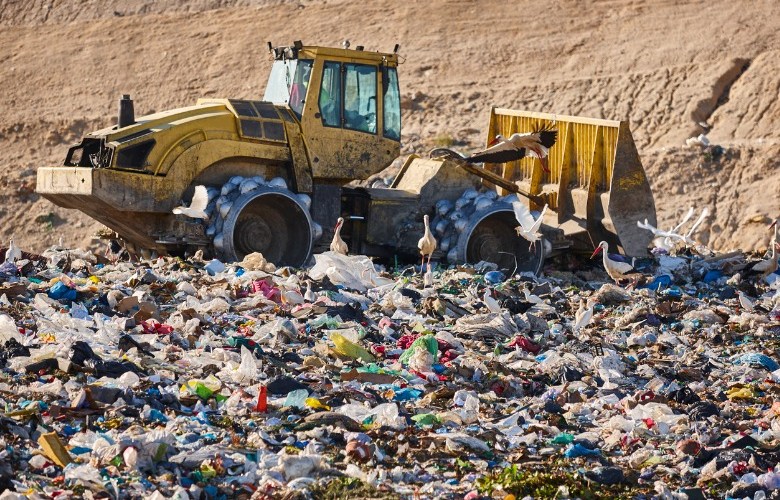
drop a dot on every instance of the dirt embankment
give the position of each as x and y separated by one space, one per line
674 71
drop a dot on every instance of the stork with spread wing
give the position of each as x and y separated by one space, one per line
502 149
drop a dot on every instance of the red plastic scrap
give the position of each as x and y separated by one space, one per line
448 355
262 400
269 292
406 340
525 344
153 326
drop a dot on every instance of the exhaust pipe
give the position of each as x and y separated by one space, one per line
126 113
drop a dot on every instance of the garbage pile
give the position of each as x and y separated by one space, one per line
200 379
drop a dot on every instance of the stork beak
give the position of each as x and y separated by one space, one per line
495 141
545 165
595 252
773 224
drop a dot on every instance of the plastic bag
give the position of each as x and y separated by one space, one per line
351 350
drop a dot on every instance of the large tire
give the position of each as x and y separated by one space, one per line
490 236
270 220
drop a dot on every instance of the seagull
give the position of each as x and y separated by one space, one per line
502 149
491 303
745 302
528 227
667 239
614 268
687 237
338 245
427 244
13 253
197 208
583 316
662 239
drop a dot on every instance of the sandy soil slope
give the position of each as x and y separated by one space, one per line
674 71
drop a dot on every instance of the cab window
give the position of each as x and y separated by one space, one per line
299 86
360 97
330 95
391 107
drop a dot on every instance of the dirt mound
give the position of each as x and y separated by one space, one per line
674 71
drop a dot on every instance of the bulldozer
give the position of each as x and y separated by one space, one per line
278 174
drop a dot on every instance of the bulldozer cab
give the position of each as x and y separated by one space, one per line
348 105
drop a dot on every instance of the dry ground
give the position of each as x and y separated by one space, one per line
674 69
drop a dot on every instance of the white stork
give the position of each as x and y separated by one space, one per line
502 149
767 266
338 245
427 244
614 268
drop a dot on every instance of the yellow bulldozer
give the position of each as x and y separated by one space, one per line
276 172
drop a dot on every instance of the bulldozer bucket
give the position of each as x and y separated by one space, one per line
596 187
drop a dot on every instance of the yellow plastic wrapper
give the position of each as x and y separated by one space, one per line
316 404
741 393
349 349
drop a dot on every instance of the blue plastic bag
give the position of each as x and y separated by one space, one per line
577 450
756 358
60 291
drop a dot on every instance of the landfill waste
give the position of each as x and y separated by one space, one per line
185 378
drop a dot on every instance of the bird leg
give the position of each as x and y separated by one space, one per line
543 161
429 261
422 264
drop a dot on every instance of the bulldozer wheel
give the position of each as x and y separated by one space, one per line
491 236
271 221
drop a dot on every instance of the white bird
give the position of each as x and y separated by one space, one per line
427 243
197 208
615 269
668 239
502 149
309 295
767 266
428 277
13 253
529 227
583 316
662 239
531 298
338 245
491 303
745 302
687 236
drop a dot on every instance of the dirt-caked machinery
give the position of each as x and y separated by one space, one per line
277 171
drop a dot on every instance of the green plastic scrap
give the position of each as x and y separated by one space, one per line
563 438
427 342
425 419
